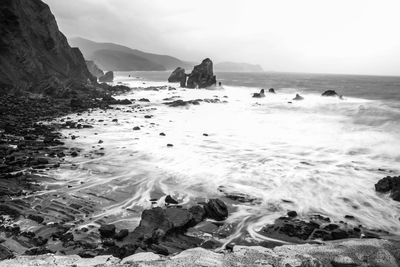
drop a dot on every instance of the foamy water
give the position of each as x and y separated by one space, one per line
320 155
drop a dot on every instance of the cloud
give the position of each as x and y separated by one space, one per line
340 36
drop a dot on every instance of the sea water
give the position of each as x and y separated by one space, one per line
321 155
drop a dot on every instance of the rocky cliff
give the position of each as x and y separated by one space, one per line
33 52
94 69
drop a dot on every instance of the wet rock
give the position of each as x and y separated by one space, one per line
260 94
121 234
216 209
178 76
329 93
343 261
292 214
107 78
181 103
170 145
202 75
298 97
136 128
5 253
107 230
144 100
170 200
389 184
271 90
162 134
36 218
198 214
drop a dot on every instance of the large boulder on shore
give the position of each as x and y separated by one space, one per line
107 78
202 75
330 93
33 50
178 76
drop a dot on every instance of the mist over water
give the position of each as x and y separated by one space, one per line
320 155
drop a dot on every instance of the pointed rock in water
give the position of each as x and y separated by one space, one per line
271 90
260 94
107 78
178 76
298 97
202 75
170 200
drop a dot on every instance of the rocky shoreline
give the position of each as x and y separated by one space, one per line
31 147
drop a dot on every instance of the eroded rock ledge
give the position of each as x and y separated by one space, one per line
367 252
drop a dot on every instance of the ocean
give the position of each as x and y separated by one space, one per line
321 155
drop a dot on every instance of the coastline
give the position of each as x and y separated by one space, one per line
289 229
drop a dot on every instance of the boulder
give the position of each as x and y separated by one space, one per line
202 75
178 76
107 230
216 209
389 184
329 93
107 78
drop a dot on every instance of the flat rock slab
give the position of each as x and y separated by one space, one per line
356 252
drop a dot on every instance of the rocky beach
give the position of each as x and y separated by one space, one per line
186 167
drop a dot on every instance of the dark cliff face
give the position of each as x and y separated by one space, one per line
33 52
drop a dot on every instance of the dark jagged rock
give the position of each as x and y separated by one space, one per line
329 93
170 200
107 230
389 184
271 90
107 78
94 69
181 103
298 97
216 209
260 94
202 75
34 54
292 214
178 76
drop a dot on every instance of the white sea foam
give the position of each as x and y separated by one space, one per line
321 155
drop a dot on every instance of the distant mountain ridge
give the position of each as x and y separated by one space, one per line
109 56
237 67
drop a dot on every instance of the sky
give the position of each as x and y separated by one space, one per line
320 36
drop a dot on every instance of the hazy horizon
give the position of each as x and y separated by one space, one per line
335 37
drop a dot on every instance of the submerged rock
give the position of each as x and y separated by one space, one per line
329 93
260 94
298 97
202 75
178 76
389 184
107 78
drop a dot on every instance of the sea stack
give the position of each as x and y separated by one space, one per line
178 76
33 52
202 75
107 78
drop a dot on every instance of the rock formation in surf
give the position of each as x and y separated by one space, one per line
330 93
107 78
178 76
202 75
34 54
94 69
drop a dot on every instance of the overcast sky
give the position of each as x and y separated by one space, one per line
325 36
